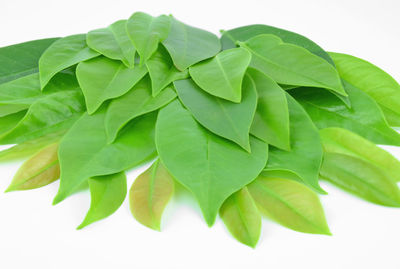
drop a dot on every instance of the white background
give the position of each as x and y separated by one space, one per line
34 234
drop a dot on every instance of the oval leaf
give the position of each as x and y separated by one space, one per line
146 32
149 195
360 178
289 203
113 42
211 167
62 54
222 117
242 218
102 79
305 157
40 170
223 74
189 45
374 81
84 151
136 102
271 120
107 195
290 64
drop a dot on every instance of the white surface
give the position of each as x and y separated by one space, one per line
34 234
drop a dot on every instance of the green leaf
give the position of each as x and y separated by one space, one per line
102 79
40 170
146 32
149 195
289 203
113 42
6 109
242 218
271 120
9 122
22 59
223 74
290 64
338 140
229 38
305 157
107 195
162 70
51 113
211 167
62 54
222 117
189 45
364 117
374 81
136 102
84 151
360 178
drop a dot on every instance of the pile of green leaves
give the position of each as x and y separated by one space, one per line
248 122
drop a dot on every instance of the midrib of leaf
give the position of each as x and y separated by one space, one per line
151 191
40 171
277 197
26 71
224 75
242 218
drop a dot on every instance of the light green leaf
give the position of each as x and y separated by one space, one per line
242 218
146 32
40 170
62 54
222 117
102 79
223 74
229 38
305 157
149 195
107 195
338 140
211 167
113 42
136 102
289 203
189 45
162 70
364 117
84 151
9 122
22 59
290 64
360 178
271 120
374 81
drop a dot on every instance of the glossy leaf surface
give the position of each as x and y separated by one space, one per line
364 117
289 203
107 195
102 79
374 81
223 74
242 218
162 70
188 45
244 33
271 120
40 170
149 195
338 140
290 64
360 178
22 59
211 167
136 102
222 117
62 54
113 42
146 32
84 151
304 158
